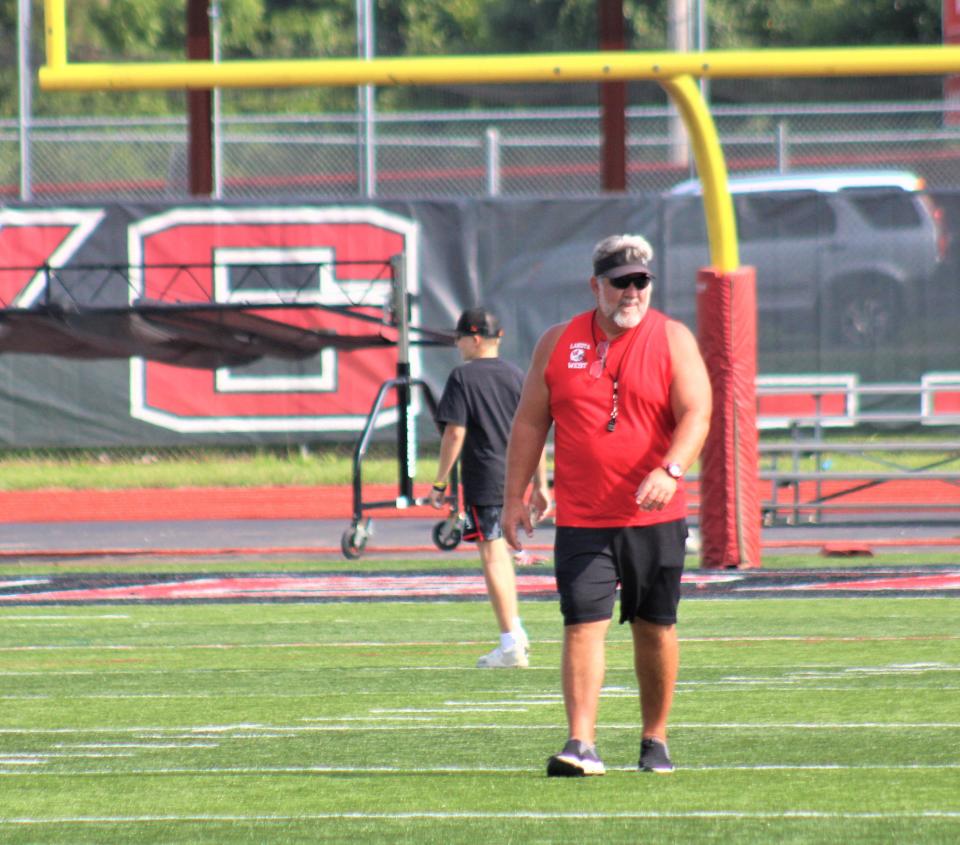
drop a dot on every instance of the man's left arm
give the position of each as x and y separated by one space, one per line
691 402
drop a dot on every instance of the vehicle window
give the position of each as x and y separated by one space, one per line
794 214
781 214
886 209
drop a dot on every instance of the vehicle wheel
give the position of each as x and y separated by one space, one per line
446 537
867 314
352 543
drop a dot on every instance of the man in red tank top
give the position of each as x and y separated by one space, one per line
628 395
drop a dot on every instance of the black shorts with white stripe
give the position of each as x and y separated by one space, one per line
482 523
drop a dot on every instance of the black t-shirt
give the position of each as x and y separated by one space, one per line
482 395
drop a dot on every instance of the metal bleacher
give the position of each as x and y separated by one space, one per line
800 482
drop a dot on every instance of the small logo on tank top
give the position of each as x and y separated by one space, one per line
578 356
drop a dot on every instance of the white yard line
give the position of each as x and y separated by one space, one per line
147 745
798 685
24 582
803 685
446 711
61 617
341 719
479 769
802 639
344 725
430 815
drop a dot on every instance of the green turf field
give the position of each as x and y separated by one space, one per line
828 720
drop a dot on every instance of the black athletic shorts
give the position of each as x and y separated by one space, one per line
482 522
645 561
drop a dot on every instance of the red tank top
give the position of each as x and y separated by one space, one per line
596 471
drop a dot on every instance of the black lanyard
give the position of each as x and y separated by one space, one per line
596 371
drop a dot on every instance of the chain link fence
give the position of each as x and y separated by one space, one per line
520 145
500 151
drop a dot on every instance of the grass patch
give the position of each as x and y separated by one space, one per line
795 721
333 464
126 469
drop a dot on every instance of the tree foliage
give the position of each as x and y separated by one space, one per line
137 30
824 23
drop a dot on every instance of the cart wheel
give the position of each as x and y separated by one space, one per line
353 542
446 537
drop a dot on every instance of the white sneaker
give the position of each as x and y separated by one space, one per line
500 658
523 642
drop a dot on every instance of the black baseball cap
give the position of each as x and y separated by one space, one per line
480 322
617 265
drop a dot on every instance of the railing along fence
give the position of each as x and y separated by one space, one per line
803 476
519 152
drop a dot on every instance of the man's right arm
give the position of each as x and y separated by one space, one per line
531 424
540 503
451 444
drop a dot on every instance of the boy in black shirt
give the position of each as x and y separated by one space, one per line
477 408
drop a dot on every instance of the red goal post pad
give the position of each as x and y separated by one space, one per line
730 510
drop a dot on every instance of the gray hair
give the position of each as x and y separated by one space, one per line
635 249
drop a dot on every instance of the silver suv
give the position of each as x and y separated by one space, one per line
844 254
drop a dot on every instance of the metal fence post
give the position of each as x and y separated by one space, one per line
215 32
783 147
491 151
366 93
26 97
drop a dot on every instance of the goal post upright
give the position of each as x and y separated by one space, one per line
730 517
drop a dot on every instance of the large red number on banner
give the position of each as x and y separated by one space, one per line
33 238
206 254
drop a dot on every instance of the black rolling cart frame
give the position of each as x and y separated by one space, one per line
447 533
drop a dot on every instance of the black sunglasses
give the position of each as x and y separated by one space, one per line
638 280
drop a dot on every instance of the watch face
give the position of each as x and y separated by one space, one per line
674 471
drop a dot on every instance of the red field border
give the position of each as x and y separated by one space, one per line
171 504
336 502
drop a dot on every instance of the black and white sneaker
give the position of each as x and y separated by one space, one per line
655 757
575 761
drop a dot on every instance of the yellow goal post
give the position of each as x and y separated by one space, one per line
675 72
